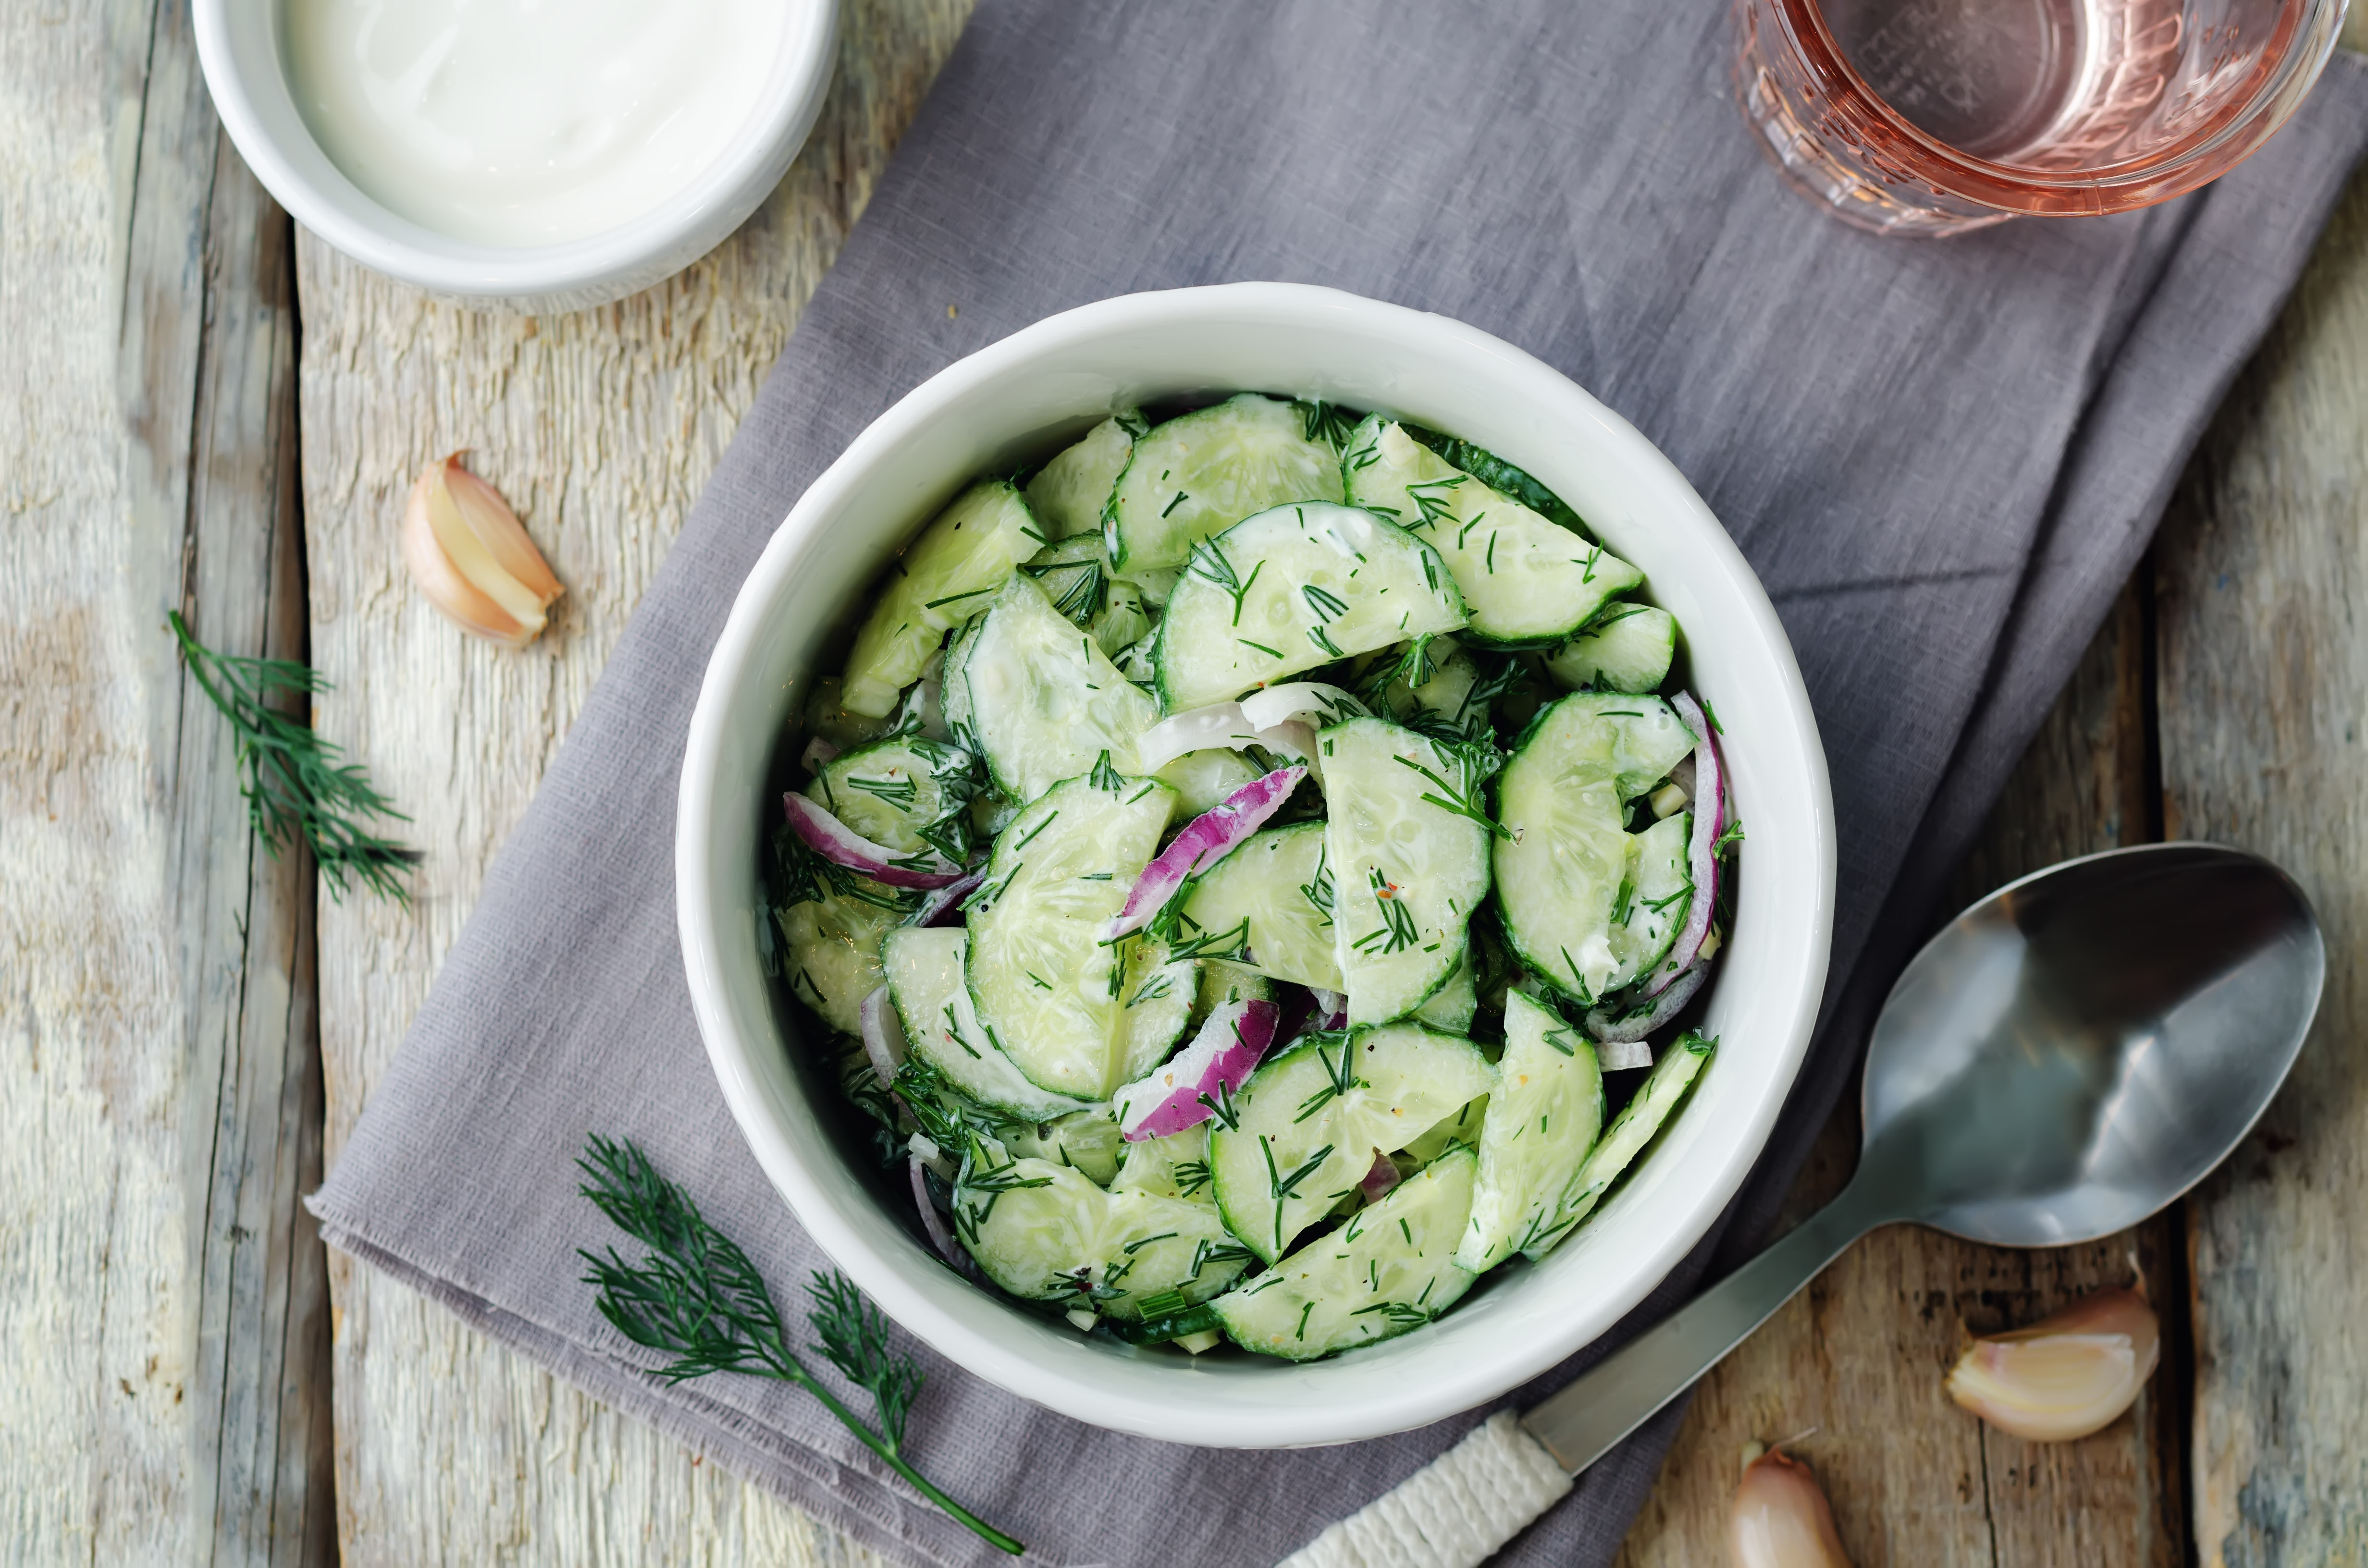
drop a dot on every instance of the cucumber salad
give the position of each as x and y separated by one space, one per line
1233 859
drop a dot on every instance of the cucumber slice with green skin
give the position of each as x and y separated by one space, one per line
1561 797
1528 582
924 970
1040 701
1455 1004
1046 1233
1628 648
1292 588
1202 1319
1462 1125
1656 892
1201 473
1158 994
1498 475
1047 989
1657 1100
945 578
1073 574
1124 621
1173 1167
1389 1269
833 943
905 793
1275 891
1407 871
1305 1128
1085 1140
1542 1122
1070 492
1203 779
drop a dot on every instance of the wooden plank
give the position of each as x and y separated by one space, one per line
159 1270
1857 1359
2263 708
600 427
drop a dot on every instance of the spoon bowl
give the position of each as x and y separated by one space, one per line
2061 1060
2083 1045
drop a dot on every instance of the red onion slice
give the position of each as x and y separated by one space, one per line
1219 1061
842 845
943 907
1380 1180
1623 1055
935 1222
1219 724
1279 704
1331 1008
1701 863
883 1035
818 755
1666 1006
1206 839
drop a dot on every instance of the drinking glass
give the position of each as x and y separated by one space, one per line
1933 117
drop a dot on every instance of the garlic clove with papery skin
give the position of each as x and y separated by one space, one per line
469 556
2066 1375
1779 1517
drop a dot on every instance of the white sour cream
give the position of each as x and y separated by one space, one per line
528 122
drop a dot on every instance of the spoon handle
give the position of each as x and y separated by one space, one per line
1610 1400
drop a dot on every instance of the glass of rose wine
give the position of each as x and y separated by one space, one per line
1933 117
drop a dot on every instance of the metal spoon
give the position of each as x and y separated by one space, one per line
2070 1056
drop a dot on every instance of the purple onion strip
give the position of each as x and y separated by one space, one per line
935 1222
842 845
1218 1062
1701 860
1206 839
1380 1180
883 1035
943 907
1666 1006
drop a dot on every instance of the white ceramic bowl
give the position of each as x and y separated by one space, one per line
241 49
1024 397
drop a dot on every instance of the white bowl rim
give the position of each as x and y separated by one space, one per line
357 224
1374 1412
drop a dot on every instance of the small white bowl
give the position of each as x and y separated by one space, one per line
242 47
1023 397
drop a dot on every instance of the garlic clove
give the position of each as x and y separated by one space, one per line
1779 1517
469 555
2064 1376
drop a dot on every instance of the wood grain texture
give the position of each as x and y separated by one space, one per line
163 1294
2264 693
600 427
1856 1361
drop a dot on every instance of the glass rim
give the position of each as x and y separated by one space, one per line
2298 53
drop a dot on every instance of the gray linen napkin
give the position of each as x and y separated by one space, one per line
1942 457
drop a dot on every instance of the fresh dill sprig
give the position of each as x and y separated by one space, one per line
293 785
696 1296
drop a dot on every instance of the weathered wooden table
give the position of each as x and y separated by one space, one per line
204 409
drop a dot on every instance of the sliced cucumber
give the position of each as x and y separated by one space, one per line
1275 890
1455 1004
833 943
1655 891
1462 1127
1087 1140
1627 648
1656 1099
1528 582
1561 797
1040 702
1407 871
1124 621
1498 475
1306 1127
1203 779
1542 1121
1070 492
1389 1269
1201 473
1173 1167
1045 1232
924 969
904 793
945 577
1073 574
1048 992
1292 588
1223 982
1158 997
